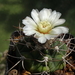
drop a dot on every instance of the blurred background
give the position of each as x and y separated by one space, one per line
13 11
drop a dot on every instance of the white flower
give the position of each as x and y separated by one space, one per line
43 24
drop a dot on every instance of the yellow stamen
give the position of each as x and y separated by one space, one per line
44 27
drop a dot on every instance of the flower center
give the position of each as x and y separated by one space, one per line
44 27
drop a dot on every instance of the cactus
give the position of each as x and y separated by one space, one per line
40 47
26 53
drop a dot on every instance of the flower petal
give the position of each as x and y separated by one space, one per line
41 37
38 34
26 28
59 22
64 29
28 21
30 32
59 30
57 16
52 16
44 14
56 31
35 15
49 36
42 40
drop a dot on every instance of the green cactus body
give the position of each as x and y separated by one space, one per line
40 57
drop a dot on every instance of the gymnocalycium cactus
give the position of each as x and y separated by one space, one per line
40 45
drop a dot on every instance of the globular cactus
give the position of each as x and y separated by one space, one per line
41 46
26 53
